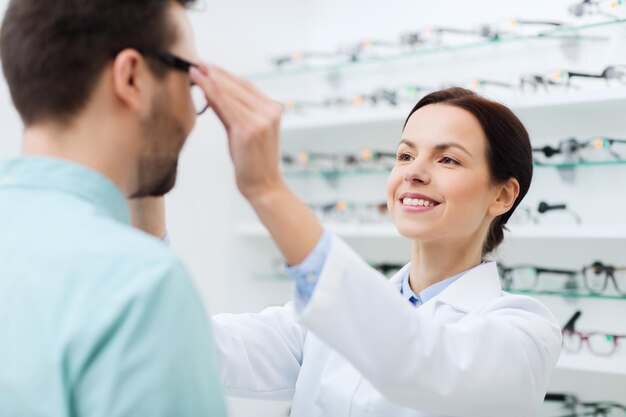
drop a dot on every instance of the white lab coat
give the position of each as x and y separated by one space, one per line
359 349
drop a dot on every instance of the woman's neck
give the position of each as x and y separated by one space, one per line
435 261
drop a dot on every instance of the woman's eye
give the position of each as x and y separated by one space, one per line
447 160
403 157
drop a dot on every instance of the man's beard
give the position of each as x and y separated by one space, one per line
164 138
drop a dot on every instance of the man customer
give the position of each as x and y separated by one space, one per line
98 319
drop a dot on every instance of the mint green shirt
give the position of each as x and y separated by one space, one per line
97 319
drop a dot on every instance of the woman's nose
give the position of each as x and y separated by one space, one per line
416 174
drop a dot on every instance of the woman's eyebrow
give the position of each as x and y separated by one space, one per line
407 143
438 147
444 146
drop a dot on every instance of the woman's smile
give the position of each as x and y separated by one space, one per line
417 203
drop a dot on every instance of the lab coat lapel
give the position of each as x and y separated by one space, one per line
473 290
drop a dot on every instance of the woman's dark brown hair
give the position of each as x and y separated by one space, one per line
509 153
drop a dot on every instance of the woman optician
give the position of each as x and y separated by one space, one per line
438 339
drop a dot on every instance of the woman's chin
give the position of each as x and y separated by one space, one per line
415 232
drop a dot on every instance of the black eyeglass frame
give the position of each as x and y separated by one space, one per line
507 279
608 273
175 62
574 405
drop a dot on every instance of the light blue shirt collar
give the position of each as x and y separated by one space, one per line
429 292
68 177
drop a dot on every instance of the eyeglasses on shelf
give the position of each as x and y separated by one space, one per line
598 343
573 150
598 275
323 162
527 277
605 8
571 406
342 211
544 212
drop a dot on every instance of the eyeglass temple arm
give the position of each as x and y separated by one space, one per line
539 22
548 151
571 323
545 207
484 32
571 74
553 396
284 59
557 271
614 140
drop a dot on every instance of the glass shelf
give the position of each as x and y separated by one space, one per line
568 294
338 173
567 32
286 277
579 164
386 230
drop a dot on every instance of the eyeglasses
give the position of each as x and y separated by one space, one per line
612 72
345 212
302 57
320 162
598 275
573 407
389 96
574 150
598 343
591 7
525 215
200 102
531 277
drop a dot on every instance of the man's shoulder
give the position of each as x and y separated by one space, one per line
131 251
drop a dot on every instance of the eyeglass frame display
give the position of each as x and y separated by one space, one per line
541 209
506 280
575 407
570 148
609 275
569 330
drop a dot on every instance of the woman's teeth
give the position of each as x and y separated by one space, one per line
417 202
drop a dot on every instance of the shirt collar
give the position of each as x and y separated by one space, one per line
38 172
430 292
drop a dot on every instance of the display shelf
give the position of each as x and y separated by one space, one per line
569 31
568 294
338 173
388 230
584 361
359 172
351 230
526 104
566 232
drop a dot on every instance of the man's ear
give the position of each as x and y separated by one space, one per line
506 194
129 73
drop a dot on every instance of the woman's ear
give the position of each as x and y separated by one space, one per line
506 194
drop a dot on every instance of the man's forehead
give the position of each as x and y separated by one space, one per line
185 45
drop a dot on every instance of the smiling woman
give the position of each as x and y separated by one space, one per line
500 142
464 163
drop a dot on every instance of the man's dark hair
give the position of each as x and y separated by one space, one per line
53 51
